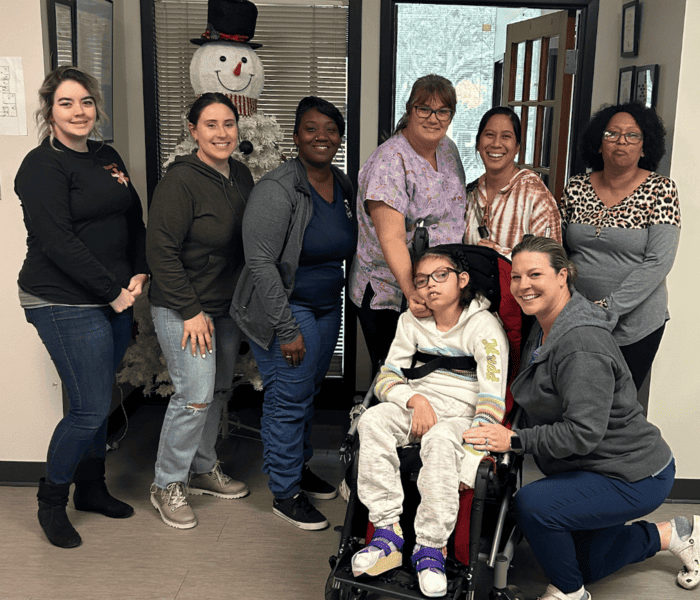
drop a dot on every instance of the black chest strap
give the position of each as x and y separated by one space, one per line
434 362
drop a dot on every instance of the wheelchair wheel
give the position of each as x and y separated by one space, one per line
342 593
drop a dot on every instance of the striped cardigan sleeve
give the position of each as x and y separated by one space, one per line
490 349
391 384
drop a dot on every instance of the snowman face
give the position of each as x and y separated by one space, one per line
227 67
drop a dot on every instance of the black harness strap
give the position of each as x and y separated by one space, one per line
434 362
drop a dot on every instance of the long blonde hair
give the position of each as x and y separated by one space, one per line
47 92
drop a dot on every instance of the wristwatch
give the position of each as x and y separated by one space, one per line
516 444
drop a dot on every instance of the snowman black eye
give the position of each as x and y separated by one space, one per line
244 60
222 58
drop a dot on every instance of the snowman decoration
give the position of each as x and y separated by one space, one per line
226 62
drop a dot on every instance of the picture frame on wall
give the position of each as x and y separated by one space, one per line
629 39
626 85
646 85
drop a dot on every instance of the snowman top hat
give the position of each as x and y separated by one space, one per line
230 21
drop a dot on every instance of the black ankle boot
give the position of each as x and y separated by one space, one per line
91 492
52 515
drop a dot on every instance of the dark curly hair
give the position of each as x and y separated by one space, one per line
459 263
653 130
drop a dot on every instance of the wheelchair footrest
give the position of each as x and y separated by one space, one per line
397 583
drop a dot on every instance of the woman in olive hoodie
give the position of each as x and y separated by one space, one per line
195 252
604 463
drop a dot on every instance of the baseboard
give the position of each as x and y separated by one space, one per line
26 473
21 473
685 491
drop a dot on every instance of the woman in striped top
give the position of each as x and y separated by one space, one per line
506 202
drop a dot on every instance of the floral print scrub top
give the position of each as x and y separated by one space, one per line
397 175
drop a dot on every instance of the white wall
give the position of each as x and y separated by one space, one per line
675 389
30 396
674 395
659 43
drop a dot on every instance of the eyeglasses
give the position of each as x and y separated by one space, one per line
632 137
439 276
442 114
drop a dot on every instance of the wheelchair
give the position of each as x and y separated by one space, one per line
485 529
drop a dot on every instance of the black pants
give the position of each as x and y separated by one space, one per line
378 327
640 355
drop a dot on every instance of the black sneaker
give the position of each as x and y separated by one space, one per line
315 487
300 512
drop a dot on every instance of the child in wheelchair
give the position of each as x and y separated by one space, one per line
435 408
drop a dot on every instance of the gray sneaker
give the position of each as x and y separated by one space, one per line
217 483
171 503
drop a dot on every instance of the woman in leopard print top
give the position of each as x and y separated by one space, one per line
621 227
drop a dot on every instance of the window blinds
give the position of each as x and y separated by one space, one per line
304 53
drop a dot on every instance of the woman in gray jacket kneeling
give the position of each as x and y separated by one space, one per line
299 227
604 463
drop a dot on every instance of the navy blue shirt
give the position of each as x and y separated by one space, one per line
329 239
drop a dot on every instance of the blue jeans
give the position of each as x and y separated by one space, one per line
288 407
86 345
575 523
188 437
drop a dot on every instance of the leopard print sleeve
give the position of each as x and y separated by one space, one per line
572 198
665 209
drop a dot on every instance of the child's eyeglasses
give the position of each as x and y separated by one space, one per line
439 276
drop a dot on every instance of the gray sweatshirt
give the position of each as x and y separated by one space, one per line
581 403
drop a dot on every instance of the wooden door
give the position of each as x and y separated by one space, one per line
538 79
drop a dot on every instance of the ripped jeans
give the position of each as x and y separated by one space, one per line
188 437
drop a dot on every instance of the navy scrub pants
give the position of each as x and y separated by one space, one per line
575 523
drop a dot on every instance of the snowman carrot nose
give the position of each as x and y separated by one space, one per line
237 70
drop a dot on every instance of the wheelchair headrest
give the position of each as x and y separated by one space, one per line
484 270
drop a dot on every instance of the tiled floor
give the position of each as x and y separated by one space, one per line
238 551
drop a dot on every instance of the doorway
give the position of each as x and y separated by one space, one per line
465 41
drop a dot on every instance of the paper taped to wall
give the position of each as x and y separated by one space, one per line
13 113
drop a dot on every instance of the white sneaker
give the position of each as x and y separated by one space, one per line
430 567
382 554
554 593
689 552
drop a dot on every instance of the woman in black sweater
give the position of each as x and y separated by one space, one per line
84 267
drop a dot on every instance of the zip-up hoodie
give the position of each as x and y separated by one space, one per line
581 403
193 242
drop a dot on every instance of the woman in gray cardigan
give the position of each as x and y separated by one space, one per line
298 228
621 226
604 463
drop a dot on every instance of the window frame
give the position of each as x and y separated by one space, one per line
581 100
